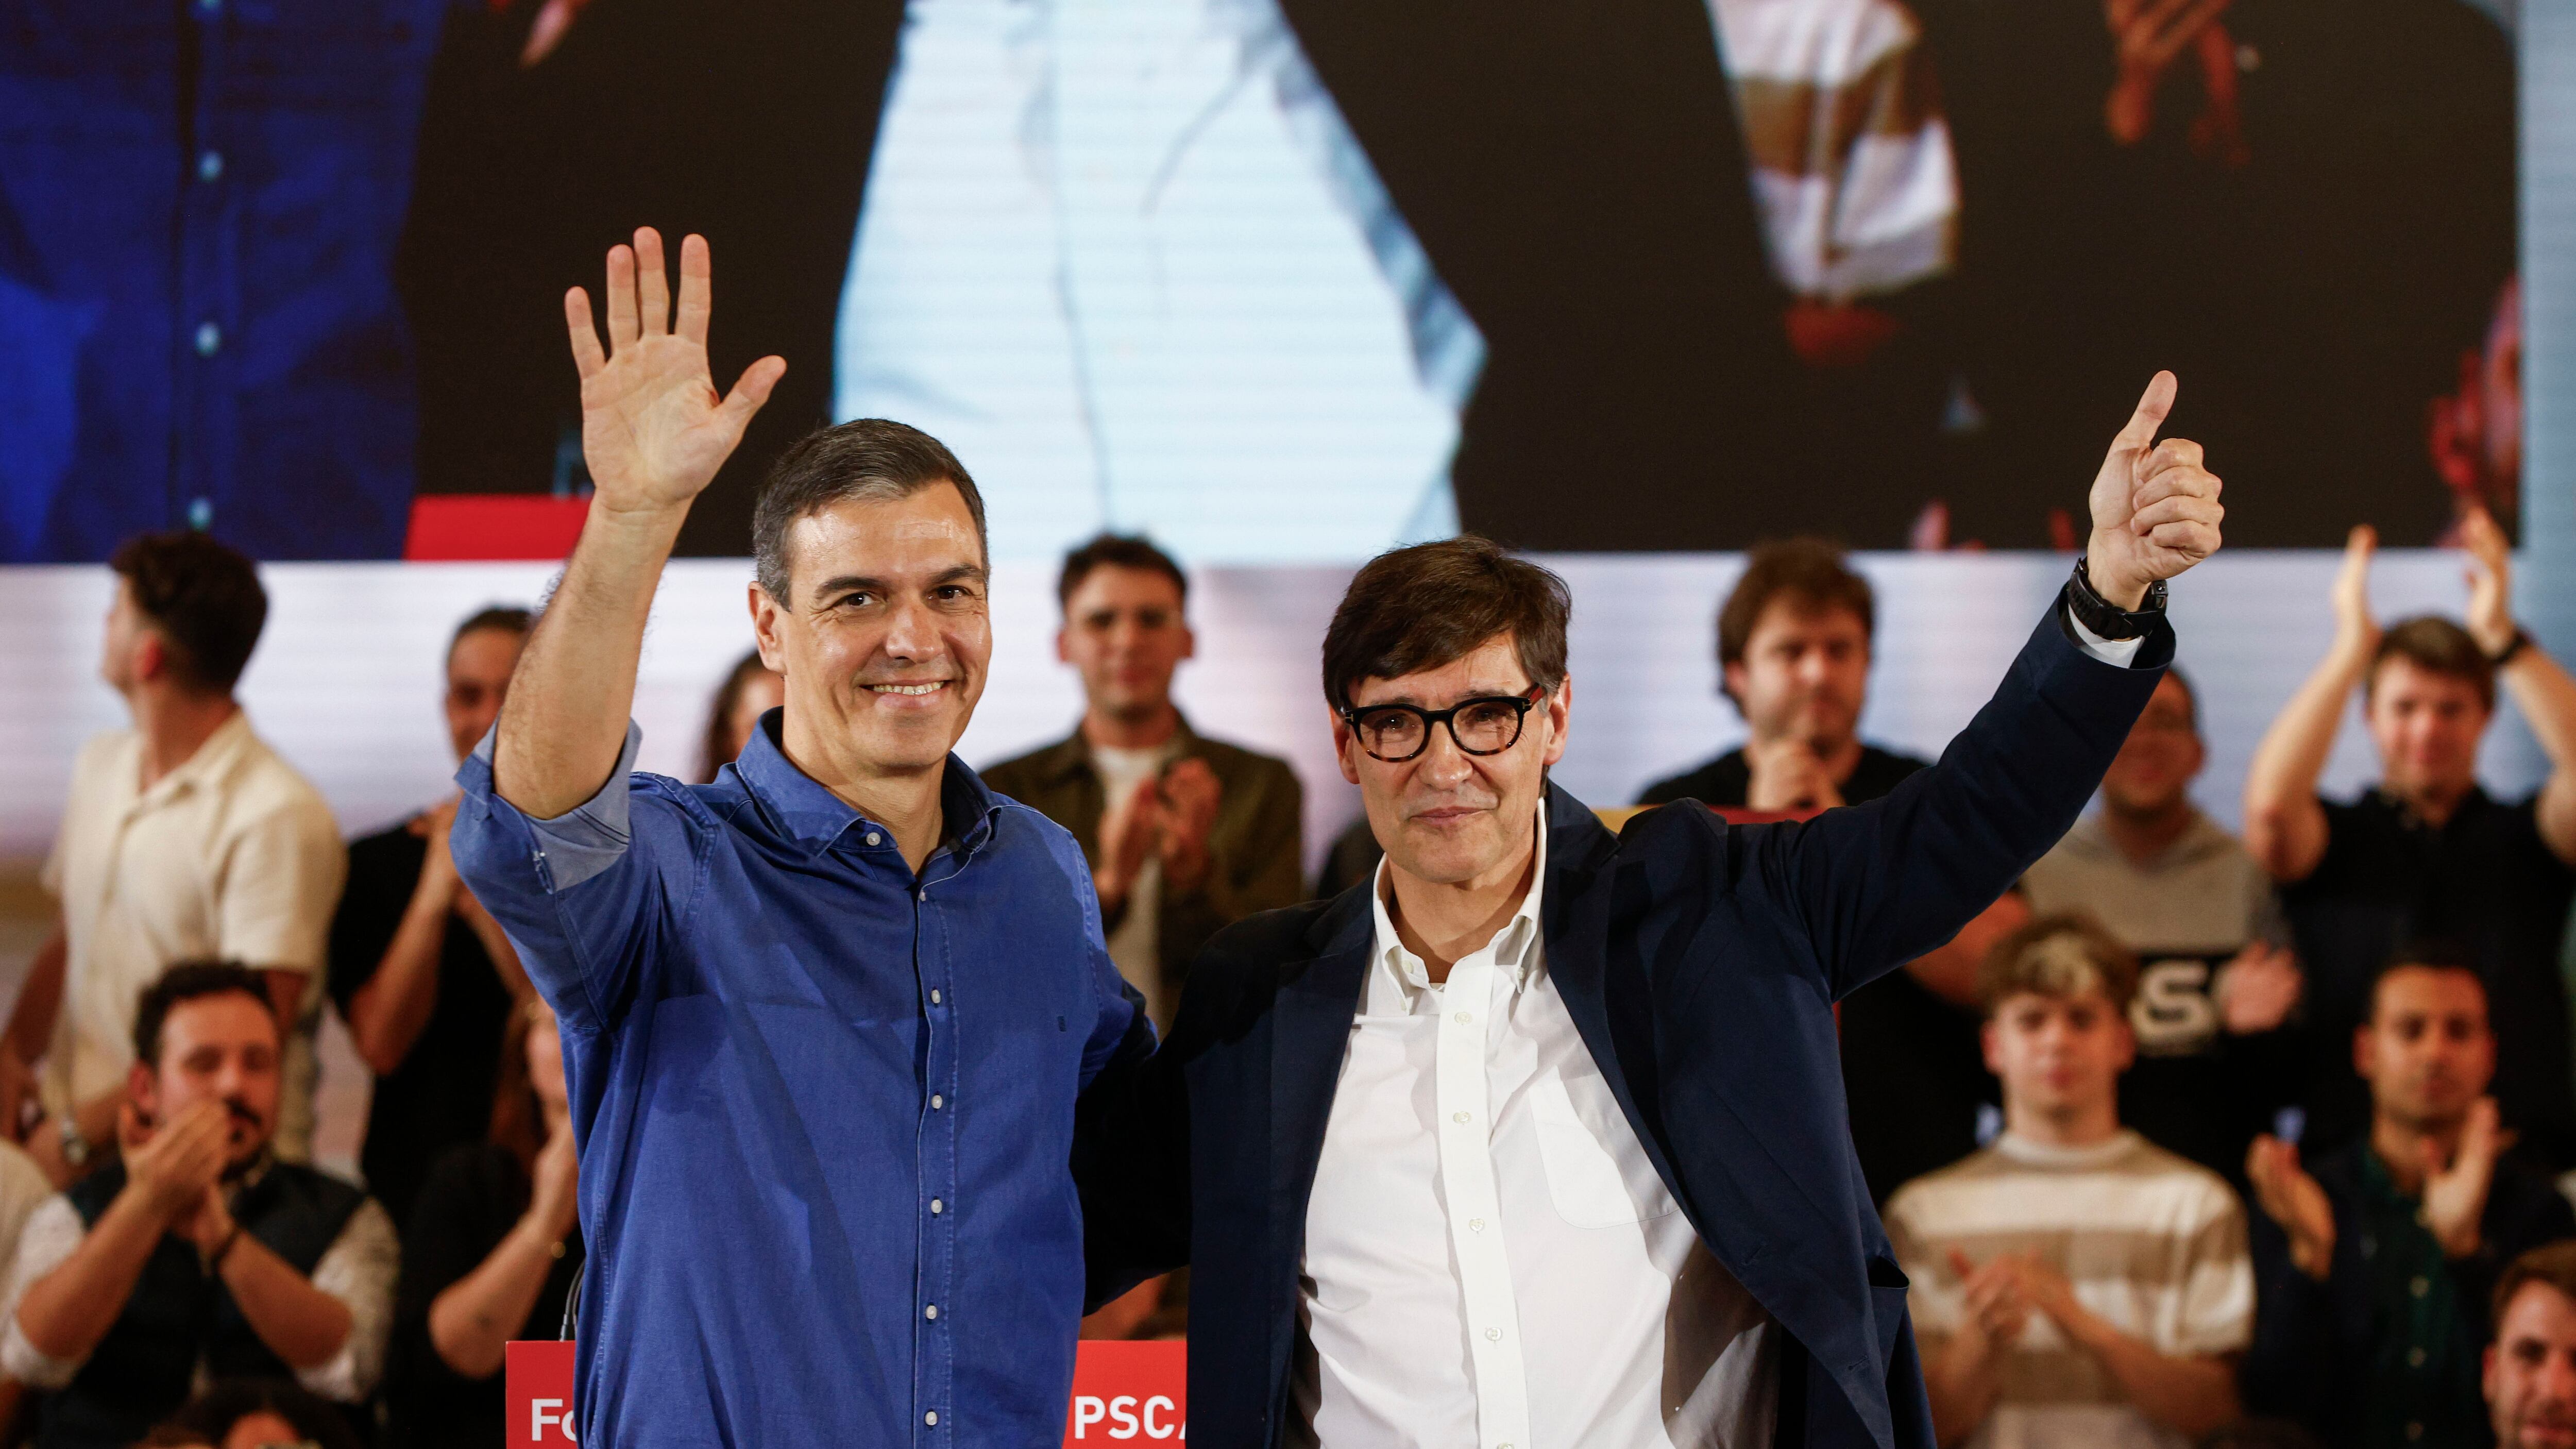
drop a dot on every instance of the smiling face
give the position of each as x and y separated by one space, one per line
1804 674
2152 773
1446 816
2531 1370
886 638
1124 632
2426 725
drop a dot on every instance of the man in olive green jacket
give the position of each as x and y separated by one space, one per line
1185 835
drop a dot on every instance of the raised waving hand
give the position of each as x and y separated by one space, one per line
653 429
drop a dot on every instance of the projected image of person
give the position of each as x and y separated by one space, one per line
1538 1136
825 1021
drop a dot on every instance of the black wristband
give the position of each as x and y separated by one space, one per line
2520 641
2106 619
225 1248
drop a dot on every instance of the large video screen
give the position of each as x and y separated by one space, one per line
1275 280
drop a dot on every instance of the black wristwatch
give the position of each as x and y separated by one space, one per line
2520 641
2106 620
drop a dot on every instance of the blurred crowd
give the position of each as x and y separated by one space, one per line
2188 1138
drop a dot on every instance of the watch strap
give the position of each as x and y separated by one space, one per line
2106 619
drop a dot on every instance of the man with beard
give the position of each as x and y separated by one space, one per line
199 1253
2531 1367
2376 1270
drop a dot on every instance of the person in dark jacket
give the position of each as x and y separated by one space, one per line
1540 1138
2377 1267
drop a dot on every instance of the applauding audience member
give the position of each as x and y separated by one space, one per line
2216 982
751 689
491 1252
1186 835
2379 1261
2074 1285
2530 1369
419 969
199 1253
1793 651
186 837
2426 852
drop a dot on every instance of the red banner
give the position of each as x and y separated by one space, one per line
1129 1393
538 1375
1123 1393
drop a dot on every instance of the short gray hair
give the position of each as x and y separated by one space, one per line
870 460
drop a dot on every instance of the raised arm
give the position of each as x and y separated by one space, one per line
2543 690
2285 827
653 432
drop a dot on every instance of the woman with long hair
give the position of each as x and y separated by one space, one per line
492 1253
747 693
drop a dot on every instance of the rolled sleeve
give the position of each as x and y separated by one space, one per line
583 895
52 1235
358 1269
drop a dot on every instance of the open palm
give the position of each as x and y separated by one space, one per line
2155 508
653 429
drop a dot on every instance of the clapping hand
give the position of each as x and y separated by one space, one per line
2455 1193
176 1164
2490 581
2258 989
1787 775
2356 627
653 430
1998 1311
1191 794
2293 1199
2155 508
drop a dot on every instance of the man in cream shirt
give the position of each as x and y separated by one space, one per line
185 837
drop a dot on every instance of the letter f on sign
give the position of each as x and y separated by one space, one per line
538 1418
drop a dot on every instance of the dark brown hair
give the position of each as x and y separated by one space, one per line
1810 571
210 1416
869 459
185 982
2438 646
1417 608
715 742
202 597
1117 550
518 1118
2060 955
507 618
2550 1263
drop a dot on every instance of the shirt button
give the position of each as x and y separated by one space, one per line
2414 1358
1493 1335
209 338
210 166
937 1207
931 1418
873 837
934 996
1475 1225
932 1311
1465 1017
201 514
1457 1116
2420 1287
937 1101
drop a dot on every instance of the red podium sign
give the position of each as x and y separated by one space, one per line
1128 1393
538 1378
1123 1393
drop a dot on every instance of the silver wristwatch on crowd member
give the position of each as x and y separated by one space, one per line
75 1146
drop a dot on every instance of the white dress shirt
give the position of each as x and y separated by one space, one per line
1490 1257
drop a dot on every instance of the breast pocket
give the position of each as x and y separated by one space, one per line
1597 1174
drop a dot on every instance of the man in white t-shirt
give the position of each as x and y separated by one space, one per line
185 837
2072 1283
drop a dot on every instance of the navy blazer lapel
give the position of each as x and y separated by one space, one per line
1310 1030
1574 918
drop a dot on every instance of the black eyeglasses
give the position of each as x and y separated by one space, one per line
1486 725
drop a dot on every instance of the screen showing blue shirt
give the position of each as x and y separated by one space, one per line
825 1106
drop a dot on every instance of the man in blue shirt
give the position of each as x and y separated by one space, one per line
825 1020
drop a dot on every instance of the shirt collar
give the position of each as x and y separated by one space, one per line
212 757
1514 946
807 812
1073 754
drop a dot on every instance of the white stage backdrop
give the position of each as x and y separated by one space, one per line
346 682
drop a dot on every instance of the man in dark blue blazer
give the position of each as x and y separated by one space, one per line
1540 1140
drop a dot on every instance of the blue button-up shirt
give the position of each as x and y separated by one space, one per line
199 205
825 1106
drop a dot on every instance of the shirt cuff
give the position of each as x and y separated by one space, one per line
2118 653
358 1269
53 1233
581 842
